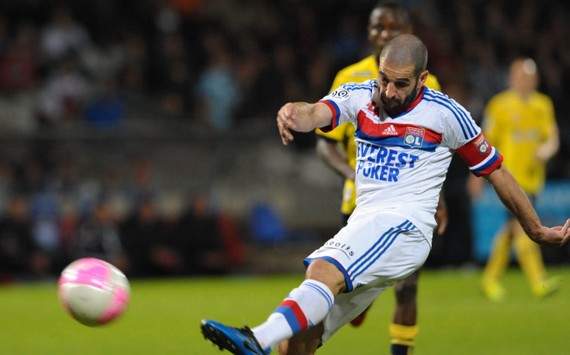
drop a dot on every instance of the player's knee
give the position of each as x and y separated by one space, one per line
283 347
304 343
406 291
327 273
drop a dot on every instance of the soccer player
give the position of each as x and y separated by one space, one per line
520 122
338 149
406 135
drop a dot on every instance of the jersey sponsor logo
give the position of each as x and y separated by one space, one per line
382 163
390 131
414 136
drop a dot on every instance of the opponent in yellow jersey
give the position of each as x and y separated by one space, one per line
520 123
366 69
387 20
518 126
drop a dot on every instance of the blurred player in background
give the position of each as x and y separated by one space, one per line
338 148
520 122
407 135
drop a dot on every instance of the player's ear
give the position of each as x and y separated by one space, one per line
423 77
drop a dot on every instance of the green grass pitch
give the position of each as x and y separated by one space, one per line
163 318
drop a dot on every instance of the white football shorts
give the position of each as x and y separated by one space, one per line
373 251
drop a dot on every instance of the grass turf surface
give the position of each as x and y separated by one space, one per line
164 316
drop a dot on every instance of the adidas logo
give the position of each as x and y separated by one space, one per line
390 131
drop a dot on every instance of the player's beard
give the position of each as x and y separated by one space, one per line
395 107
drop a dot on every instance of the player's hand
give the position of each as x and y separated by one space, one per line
285 122
475 186
441 218
558 235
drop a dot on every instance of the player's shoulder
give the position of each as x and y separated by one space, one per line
355 90
370 84
502 97
446 109
362 70
442 102
541 98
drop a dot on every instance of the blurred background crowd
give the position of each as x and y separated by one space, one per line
142 131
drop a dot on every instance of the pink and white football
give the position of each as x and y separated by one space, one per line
93 291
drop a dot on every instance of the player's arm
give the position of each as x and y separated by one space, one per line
547 150
493 128
302 117
329 151
441 215
327 147
514 198
484 160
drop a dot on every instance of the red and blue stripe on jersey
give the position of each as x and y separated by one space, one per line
382 134
335 110
480 156
344 89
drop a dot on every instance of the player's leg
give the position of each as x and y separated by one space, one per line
359 319
305 342
530 259
306 305
392 255
371 252
404 329
497 264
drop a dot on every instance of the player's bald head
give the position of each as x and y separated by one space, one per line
400 12
405 50
523 76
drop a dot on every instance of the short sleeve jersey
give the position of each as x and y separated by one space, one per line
402 161
366 69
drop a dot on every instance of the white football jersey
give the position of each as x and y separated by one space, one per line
402 161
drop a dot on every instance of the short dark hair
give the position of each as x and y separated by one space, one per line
407 48
399 10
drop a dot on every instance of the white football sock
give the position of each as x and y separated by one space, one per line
307 305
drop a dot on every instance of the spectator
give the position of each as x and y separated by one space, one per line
98 236
63 94
19 254
62 35
217 88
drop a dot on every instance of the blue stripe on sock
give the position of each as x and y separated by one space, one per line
321 291
290 317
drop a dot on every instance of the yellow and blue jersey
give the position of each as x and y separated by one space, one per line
517 127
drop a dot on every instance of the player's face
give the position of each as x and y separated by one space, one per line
399 86
523 76
383 25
